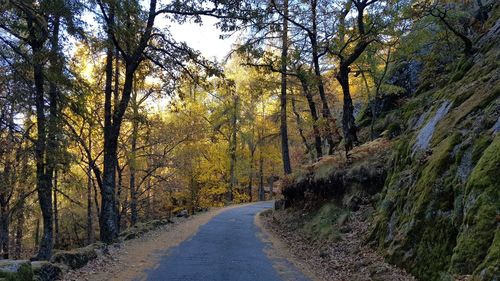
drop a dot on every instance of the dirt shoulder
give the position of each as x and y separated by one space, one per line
347 258
129 260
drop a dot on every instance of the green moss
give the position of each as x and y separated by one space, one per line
437 164
323 172
462 69
419 211
490 267
75 258
433 250
393 130
323 224
24 273
482 206
482 142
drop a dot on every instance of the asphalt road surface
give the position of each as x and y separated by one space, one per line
230 247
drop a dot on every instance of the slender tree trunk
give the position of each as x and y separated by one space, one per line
314 116
119 206
250 175
96 200
7 178
90 219
37 232
4 227
348 122
301 131
108 218
56 212
262 194
325 112
232 149
287 167
19 228
132 160
43 172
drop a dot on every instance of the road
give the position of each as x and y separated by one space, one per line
230 247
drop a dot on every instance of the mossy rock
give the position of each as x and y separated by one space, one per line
16 270
462 69
489 269
76 258
140 228
482 209
47 271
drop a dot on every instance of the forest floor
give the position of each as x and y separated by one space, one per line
347 258
128 260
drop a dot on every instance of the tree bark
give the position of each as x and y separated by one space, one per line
287 167
132 160
56 212
232 149
4 226
108 218
120 207
301 131
43 172
314 116
325 111
262 194
90 219
348 122
250 174
19 229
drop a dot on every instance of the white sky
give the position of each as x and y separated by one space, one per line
204 38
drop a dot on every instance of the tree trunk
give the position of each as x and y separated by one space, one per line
90 220
232 149
348 122
4 227
119 206
108 217
132 160
287 167
250 174
56 212
301 131
314 116
262 194
43 172
325 112
19 228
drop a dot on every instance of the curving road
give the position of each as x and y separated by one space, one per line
230 247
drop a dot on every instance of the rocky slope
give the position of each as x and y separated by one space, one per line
437 197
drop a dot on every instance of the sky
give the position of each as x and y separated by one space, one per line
204 38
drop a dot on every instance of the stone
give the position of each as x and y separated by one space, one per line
47 271
16 270
279 204
76 258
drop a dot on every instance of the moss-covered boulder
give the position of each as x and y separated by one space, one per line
77 258
439 215
140 228
481 216
16 270
47 271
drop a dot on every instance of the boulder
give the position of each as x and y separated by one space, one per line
141 228
16 270
183 213
47 271
279 204
75 258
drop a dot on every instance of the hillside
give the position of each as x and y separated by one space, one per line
434 184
